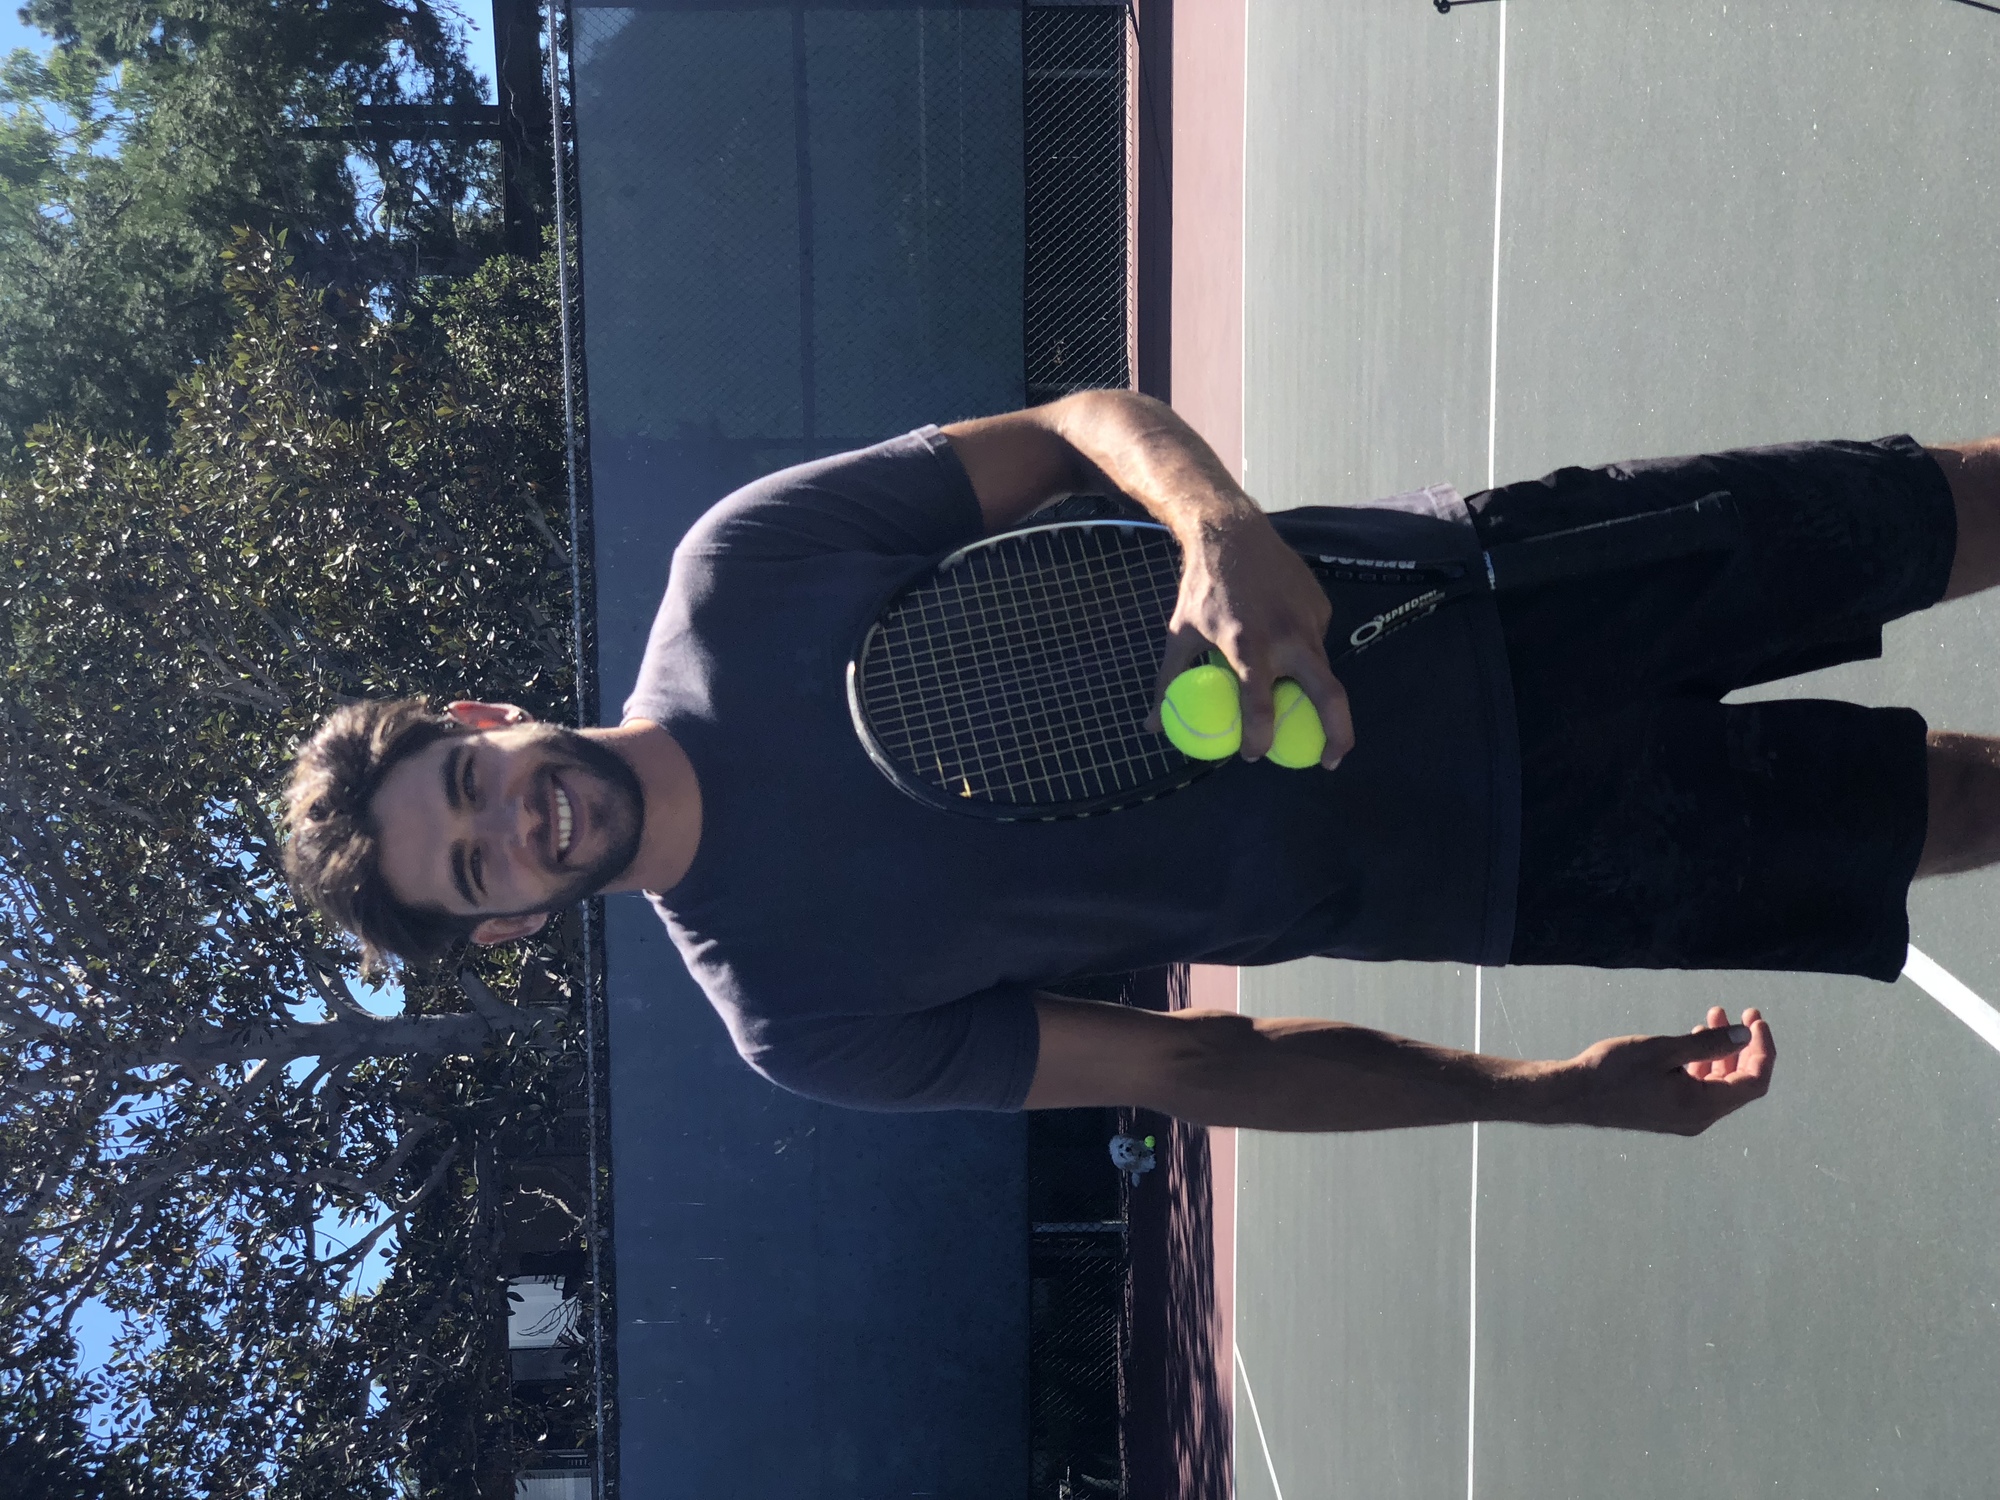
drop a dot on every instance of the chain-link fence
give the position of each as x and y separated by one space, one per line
1079 197
1078 211
805 230
582 1474
1079 1318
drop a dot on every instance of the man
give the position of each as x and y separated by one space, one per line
1549 779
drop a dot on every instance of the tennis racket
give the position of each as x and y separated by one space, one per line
1013 678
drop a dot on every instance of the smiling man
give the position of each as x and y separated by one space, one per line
1551 777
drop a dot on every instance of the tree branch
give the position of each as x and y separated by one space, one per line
502 1017
333 990
353 1254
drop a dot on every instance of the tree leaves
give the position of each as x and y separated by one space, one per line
151 134
188 1085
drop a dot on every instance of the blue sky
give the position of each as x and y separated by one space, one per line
13 34
479 44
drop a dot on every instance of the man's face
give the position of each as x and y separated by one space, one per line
506 821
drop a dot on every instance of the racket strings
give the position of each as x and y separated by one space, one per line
1023 716
1023 673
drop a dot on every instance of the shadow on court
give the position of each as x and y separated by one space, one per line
1177 1428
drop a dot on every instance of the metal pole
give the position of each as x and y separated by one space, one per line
569 300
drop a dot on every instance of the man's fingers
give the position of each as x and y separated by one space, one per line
1254 693
1186 646
1701 1046
1709 1067
1733 1081
1760 1055
1257 680
1329 701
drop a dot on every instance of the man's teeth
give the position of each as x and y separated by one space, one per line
565 823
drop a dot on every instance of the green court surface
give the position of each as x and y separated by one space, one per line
1718 224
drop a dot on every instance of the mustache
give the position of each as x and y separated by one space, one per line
613 801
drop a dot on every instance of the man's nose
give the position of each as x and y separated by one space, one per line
510 820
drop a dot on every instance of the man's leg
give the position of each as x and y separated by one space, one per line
1963 832
1964 828
1973 471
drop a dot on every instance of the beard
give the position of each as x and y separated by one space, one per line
613 801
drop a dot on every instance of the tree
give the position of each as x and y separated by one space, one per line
46 1449
152 133
189 1078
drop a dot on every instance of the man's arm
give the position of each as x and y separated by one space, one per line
1243 591
1219 1068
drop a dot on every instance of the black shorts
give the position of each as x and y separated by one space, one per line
1662 828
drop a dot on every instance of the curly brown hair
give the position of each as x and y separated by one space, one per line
333 852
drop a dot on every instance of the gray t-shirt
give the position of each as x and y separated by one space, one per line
869 951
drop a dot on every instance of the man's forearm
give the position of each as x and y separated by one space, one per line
1142 449
1215 1067
1326 1075
1243 591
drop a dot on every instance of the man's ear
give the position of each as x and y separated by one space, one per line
505 929
488 715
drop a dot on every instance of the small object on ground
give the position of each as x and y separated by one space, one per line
1132 1156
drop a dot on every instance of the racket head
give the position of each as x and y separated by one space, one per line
1012 679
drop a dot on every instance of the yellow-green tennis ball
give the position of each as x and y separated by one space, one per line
1300 739
1202 714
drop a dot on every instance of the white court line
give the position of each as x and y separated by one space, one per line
1472 1301
1478 975
1236 1272
1928 975
1493 343
1269 1467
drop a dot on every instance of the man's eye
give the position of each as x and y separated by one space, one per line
466 781
477 865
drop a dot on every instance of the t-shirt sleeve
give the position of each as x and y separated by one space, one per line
975 1053
909 496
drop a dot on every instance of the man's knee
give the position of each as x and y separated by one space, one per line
1973 472
1963 828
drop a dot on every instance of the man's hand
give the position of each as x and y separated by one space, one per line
1669 1084
1243 591
1246 593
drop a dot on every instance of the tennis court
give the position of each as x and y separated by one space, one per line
1479 246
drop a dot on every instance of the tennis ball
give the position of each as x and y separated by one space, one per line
1300 738
1201 714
